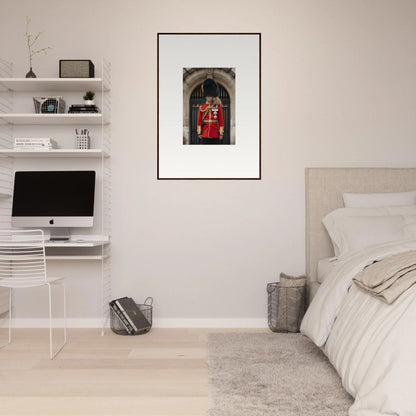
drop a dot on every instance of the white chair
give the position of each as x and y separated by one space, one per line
22 265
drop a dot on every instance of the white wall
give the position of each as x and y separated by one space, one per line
338 89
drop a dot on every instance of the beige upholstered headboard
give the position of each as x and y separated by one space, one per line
324 189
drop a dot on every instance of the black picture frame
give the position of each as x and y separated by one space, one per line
178 162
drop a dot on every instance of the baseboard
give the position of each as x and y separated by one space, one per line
157 323
44 323
209 323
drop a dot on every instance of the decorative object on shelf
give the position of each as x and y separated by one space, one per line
179 80
82 140
89 98
49 105
30 74
31 40
76 68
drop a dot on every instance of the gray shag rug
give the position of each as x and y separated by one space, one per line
272 374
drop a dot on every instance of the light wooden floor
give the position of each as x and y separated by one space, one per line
162 373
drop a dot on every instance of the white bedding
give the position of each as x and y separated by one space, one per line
371 344
324 267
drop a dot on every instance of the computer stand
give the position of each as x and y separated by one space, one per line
60 234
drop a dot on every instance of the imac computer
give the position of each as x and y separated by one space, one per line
56 200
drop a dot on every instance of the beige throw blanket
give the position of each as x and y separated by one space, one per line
390 277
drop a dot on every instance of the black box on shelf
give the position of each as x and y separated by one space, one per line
81 108
76 68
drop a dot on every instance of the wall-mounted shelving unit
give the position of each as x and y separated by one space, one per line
95 247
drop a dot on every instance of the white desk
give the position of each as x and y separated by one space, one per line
73 249
75 243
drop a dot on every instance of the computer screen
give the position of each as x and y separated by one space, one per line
53 198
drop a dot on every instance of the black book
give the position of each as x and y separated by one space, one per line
83 110
133 314
121 317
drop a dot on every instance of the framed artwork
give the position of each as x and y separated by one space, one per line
209 106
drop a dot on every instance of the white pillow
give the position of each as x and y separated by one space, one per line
355 233
379 200
347 234
367 212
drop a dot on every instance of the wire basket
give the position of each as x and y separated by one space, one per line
146 308
286 304
49 105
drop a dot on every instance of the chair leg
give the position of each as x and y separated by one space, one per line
64 288
9 319
10 315
52 355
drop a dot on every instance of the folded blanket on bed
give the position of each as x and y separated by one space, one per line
389 278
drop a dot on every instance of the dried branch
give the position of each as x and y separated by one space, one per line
31 40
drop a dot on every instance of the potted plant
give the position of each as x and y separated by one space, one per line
89 97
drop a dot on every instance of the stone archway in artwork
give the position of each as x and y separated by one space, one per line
192 80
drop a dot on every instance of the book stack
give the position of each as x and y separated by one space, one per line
34 144
82 108
129 314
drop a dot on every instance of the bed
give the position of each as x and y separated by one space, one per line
370 343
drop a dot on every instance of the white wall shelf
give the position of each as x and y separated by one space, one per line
53 119
76 153
76 258
52 84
